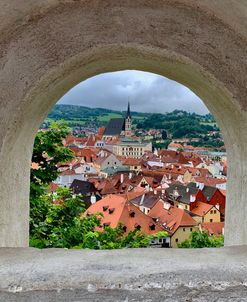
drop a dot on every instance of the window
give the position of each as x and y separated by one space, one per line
215 211
111 210
184 229
211 220
191 229
132 214
211 212
176 240
138 227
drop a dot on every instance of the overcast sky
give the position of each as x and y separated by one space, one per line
147 92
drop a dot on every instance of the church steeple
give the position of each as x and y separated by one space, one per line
128 111
128 122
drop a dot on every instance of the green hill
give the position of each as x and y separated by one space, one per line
179 123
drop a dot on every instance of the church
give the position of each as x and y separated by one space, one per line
119 127
127 144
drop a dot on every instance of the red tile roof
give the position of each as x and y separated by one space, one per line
116 209
214 228
132 162
209 181
201 208
172 217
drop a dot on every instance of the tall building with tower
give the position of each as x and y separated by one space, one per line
127 144
119 127
128 123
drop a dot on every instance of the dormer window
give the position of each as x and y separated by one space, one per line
111 210
106 224
132 214
137 226
105 208
152 227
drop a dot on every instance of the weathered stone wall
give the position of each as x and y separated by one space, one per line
48 46
159 275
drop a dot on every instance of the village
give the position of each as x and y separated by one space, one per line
178 190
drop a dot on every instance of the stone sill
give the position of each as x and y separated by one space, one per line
28 274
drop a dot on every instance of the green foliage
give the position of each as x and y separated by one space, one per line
162 145
59 224
77 116
48 151
200 239
178 123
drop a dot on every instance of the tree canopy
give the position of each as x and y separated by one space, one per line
201 239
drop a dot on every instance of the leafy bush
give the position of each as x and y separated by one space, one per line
200 239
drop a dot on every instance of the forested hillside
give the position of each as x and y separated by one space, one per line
178 123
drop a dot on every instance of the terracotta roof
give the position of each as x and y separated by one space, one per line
87 153
116 208
210 181
214 228
132 162
171 218
223 192
35 166
52 187
201 208
174 145
68 172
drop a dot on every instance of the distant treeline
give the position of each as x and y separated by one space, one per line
177 123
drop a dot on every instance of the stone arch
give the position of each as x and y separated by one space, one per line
47 48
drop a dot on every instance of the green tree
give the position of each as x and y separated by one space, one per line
200 239
48 151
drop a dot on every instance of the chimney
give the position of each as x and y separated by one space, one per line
187 189
142 199
130 175
201 186
192 198
93 199
155 192
121 178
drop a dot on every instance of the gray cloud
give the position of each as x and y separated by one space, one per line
147 93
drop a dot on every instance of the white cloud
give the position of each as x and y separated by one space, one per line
147 92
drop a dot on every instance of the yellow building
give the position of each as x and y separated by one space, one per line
182 233
176 221
132 148
205 212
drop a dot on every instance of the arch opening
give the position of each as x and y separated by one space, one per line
114 148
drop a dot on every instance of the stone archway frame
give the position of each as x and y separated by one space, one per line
53 49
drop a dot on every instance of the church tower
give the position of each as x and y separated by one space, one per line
128 122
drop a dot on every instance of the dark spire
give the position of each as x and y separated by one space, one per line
128 110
